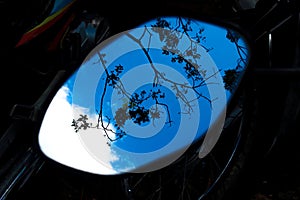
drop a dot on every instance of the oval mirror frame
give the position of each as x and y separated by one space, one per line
144 95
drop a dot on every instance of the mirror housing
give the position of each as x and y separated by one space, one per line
144 95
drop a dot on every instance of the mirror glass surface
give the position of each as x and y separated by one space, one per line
143 96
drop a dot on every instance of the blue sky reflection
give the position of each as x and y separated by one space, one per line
135 103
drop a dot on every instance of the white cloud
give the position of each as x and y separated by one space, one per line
60 142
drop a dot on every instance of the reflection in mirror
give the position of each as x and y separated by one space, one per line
143 96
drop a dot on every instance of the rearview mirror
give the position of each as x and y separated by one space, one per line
143 96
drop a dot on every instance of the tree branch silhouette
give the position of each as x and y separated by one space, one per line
134 108
231 76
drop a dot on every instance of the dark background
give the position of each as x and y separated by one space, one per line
274 170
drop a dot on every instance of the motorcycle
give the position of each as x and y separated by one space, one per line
141 108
